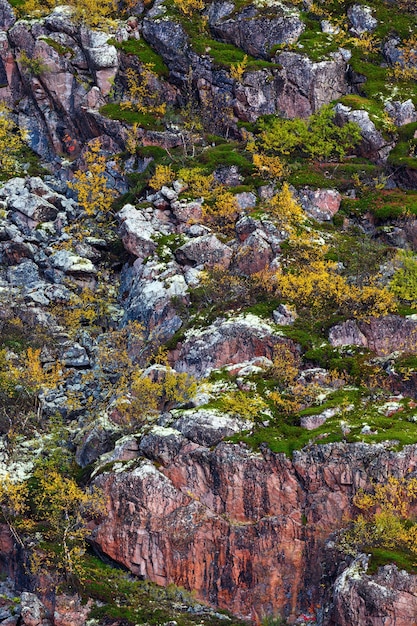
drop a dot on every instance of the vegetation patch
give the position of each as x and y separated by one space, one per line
145 53
145 120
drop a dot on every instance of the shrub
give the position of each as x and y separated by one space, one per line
11 145
94 194
384 521
404 282
318 137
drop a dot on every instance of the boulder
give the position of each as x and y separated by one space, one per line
252 32
389 597
284 315
207 250
71 610
401 113
136 231
373 146
7 15
226 342
361 20
208 427
33 612
321 204
307 86
72 263
382 335
254 254
150 298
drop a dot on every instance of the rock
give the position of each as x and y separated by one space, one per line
187 212
254 254
95 441
24 275
125 449
7 15
310 422
150 295
246 200
136 231
208 427
284 315
361 20
382 335
75 356
71 263
207 250
394 54
321 204
33 611
328 28
307 86
373 146
225 342
228 175
401 113
388 597
71 610
256 522
170 41
252 32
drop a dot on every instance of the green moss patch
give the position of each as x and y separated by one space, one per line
356 421
119 595
145 120
143 51
380 557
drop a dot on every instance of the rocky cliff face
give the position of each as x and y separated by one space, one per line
246 530
75 70
198 490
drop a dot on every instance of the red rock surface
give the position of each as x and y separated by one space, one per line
245 530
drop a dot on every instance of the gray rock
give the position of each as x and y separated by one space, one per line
136 231
284 315
170 41
206 250
246 200
254 33
68 262
360 19
150 298
306 86
374 145
208 427
75 356
310 422
7 15
401 112
24 275
228 175
33 612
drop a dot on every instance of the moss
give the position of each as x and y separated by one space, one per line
145 120
119 595
62 50
406 147
284 434
143 51
382 204
402 559
167 244
263 309
231 153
